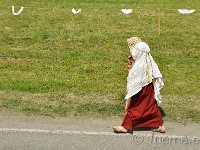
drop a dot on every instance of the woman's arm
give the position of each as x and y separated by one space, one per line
127 104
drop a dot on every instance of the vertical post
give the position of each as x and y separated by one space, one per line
159 21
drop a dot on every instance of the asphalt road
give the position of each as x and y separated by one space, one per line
35 133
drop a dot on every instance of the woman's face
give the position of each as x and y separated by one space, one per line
131 60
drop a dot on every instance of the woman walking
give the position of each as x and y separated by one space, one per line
144 82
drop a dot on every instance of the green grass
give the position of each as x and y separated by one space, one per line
50 52
62 104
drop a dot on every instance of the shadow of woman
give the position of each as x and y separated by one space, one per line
163 114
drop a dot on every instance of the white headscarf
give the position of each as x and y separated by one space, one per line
143 72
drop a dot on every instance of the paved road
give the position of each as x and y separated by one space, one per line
35 133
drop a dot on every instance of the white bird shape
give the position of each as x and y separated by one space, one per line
127 11
76 11
13 10
186 11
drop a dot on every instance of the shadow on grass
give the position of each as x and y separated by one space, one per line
162 111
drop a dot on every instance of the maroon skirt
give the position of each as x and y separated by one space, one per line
143 110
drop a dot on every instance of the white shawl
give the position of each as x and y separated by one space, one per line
143 72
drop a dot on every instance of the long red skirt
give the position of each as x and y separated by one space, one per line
143 110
